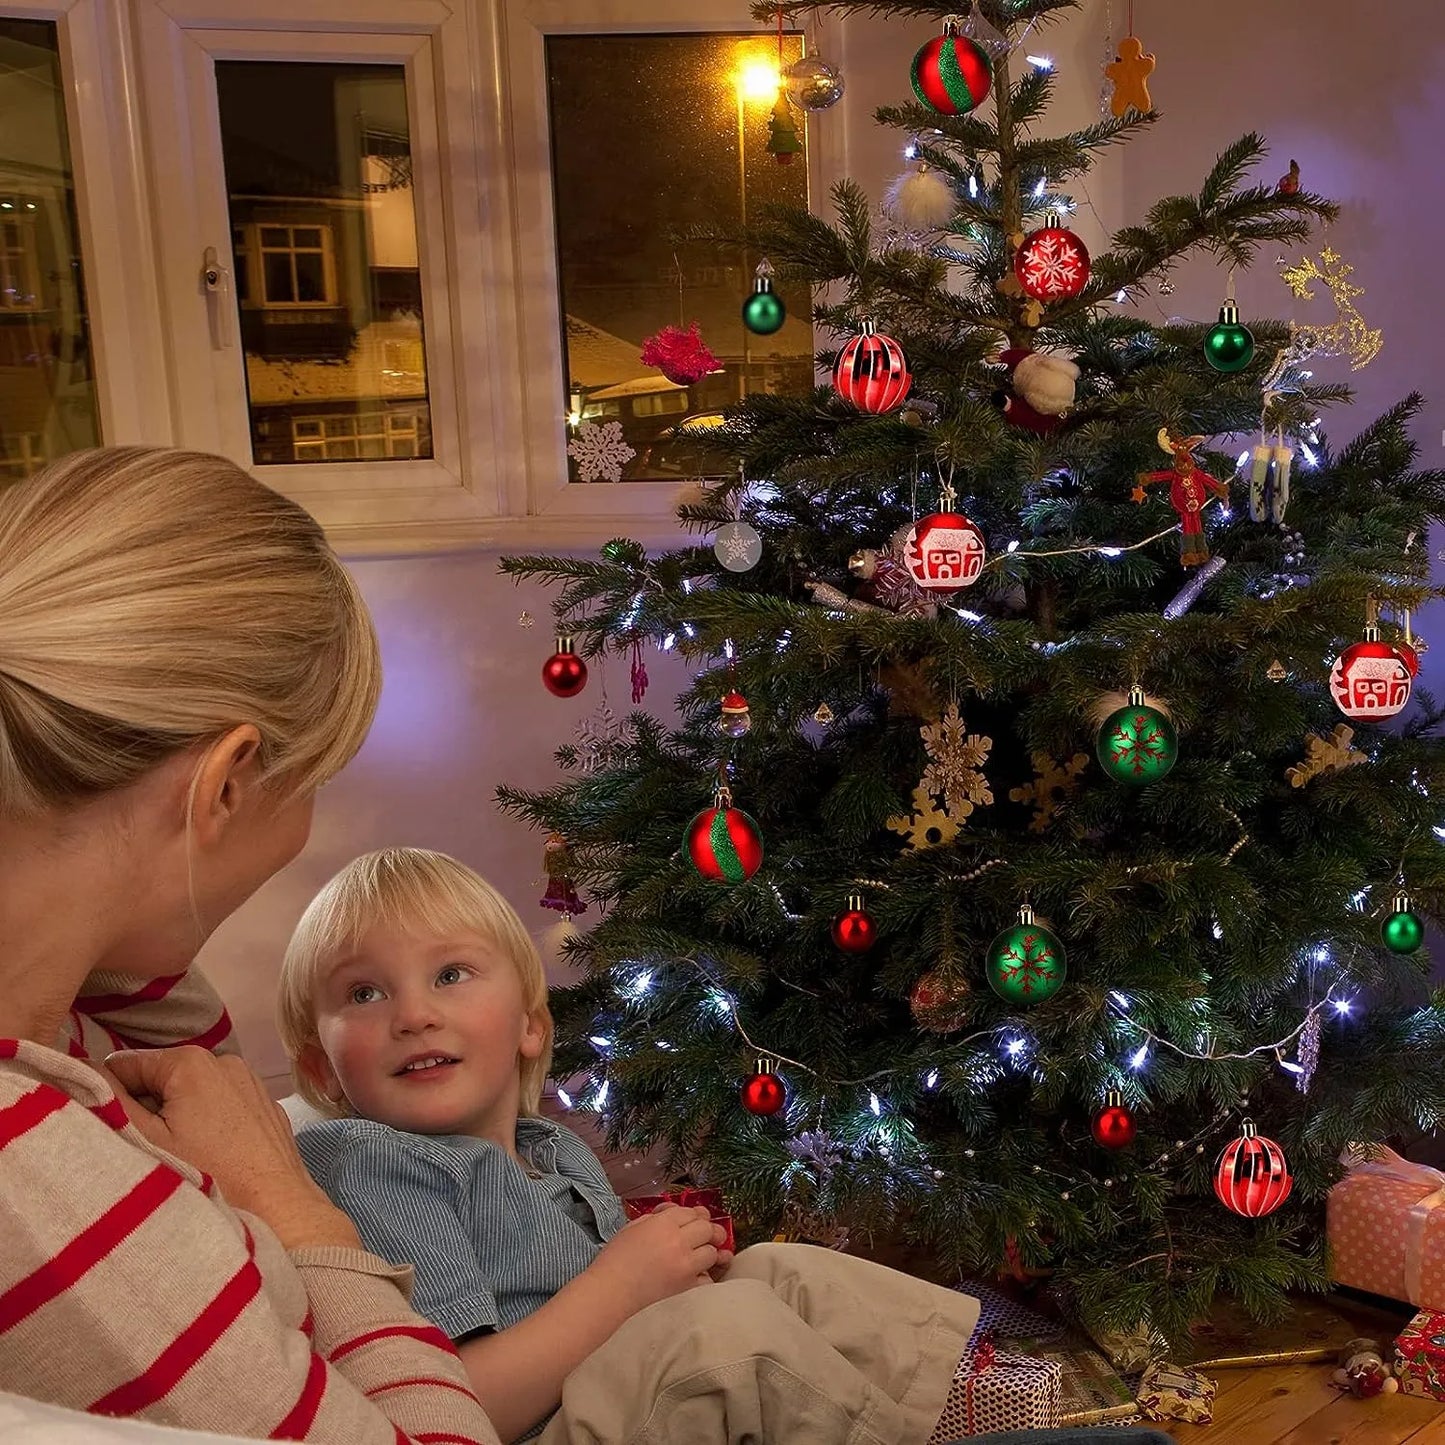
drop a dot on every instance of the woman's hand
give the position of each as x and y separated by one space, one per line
214 1113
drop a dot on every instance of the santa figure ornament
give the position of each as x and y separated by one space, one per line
1370 681
1043 388
1189 490
944 552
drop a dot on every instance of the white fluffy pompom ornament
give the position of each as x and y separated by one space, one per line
1046 381
921 199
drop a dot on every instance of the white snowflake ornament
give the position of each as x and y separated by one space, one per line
600 451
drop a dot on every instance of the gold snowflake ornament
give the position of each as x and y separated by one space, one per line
1054 783
1325 755
952 785
955 758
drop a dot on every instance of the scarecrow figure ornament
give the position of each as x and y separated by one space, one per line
1189 490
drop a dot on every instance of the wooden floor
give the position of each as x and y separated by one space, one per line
1297 1405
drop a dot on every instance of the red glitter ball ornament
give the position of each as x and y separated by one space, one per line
1053 263
763 1093
1114 1126
854 931
564 674
939 1004
1251 1175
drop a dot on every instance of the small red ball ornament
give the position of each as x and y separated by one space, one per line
1251 1176
725 845
1053 263
1409 657
1370 680
1114 1126
854 931
871 371
564 674
763 1093
944 552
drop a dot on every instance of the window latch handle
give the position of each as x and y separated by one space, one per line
220 307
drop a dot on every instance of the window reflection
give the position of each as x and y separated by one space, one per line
327 278
651 135
47 382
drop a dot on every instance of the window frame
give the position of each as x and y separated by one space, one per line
394 505
556 508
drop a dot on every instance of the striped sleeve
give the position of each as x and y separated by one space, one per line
116 1011
125 1290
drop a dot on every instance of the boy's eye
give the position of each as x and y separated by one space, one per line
452 973
362 993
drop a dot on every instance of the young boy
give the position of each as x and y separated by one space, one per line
413 1005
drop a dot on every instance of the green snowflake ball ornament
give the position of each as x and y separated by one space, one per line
1402 931
1026 961
1137 743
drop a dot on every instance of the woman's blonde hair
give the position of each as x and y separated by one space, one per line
153 599
404 888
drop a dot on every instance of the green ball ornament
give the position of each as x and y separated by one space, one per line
1137 743
1402 931
763 311
1026 962
1230 344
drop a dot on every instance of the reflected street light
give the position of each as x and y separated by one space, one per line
757 80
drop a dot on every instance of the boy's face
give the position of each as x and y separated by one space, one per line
423 1032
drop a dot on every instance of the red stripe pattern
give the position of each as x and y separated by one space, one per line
303 1413
187 1347
105 1003
434 1380
427 1334
88 1247
29 1110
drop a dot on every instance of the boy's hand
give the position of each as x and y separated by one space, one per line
663 1253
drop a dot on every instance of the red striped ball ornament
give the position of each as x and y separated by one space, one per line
725 845
1251 1175
872 371
952 74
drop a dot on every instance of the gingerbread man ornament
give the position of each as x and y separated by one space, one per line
1130 72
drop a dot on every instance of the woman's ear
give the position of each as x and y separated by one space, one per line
315 1067
222 780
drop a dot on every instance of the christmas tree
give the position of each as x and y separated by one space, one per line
1035 815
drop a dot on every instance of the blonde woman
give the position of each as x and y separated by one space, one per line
183 662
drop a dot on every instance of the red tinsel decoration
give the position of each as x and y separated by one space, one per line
681 356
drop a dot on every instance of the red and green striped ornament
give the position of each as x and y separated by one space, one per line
952 74
725 845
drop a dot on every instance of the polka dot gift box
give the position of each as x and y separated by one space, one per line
1386 1227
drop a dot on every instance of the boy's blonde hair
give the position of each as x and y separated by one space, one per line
153 599
404 887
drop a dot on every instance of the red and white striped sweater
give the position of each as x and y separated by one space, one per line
129 1287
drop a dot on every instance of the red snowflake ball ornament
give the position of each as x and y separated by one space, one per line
1251 1176
1053 263
944 552
871 371
1370 680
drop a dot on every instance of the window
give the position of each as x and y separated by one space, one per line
655 134
296 267
47 380
319 182
19 260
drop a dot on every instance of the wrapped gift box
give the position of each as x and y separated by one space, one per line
710 1199
1420 1356
1007 1391
1386 1228
1170 1392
